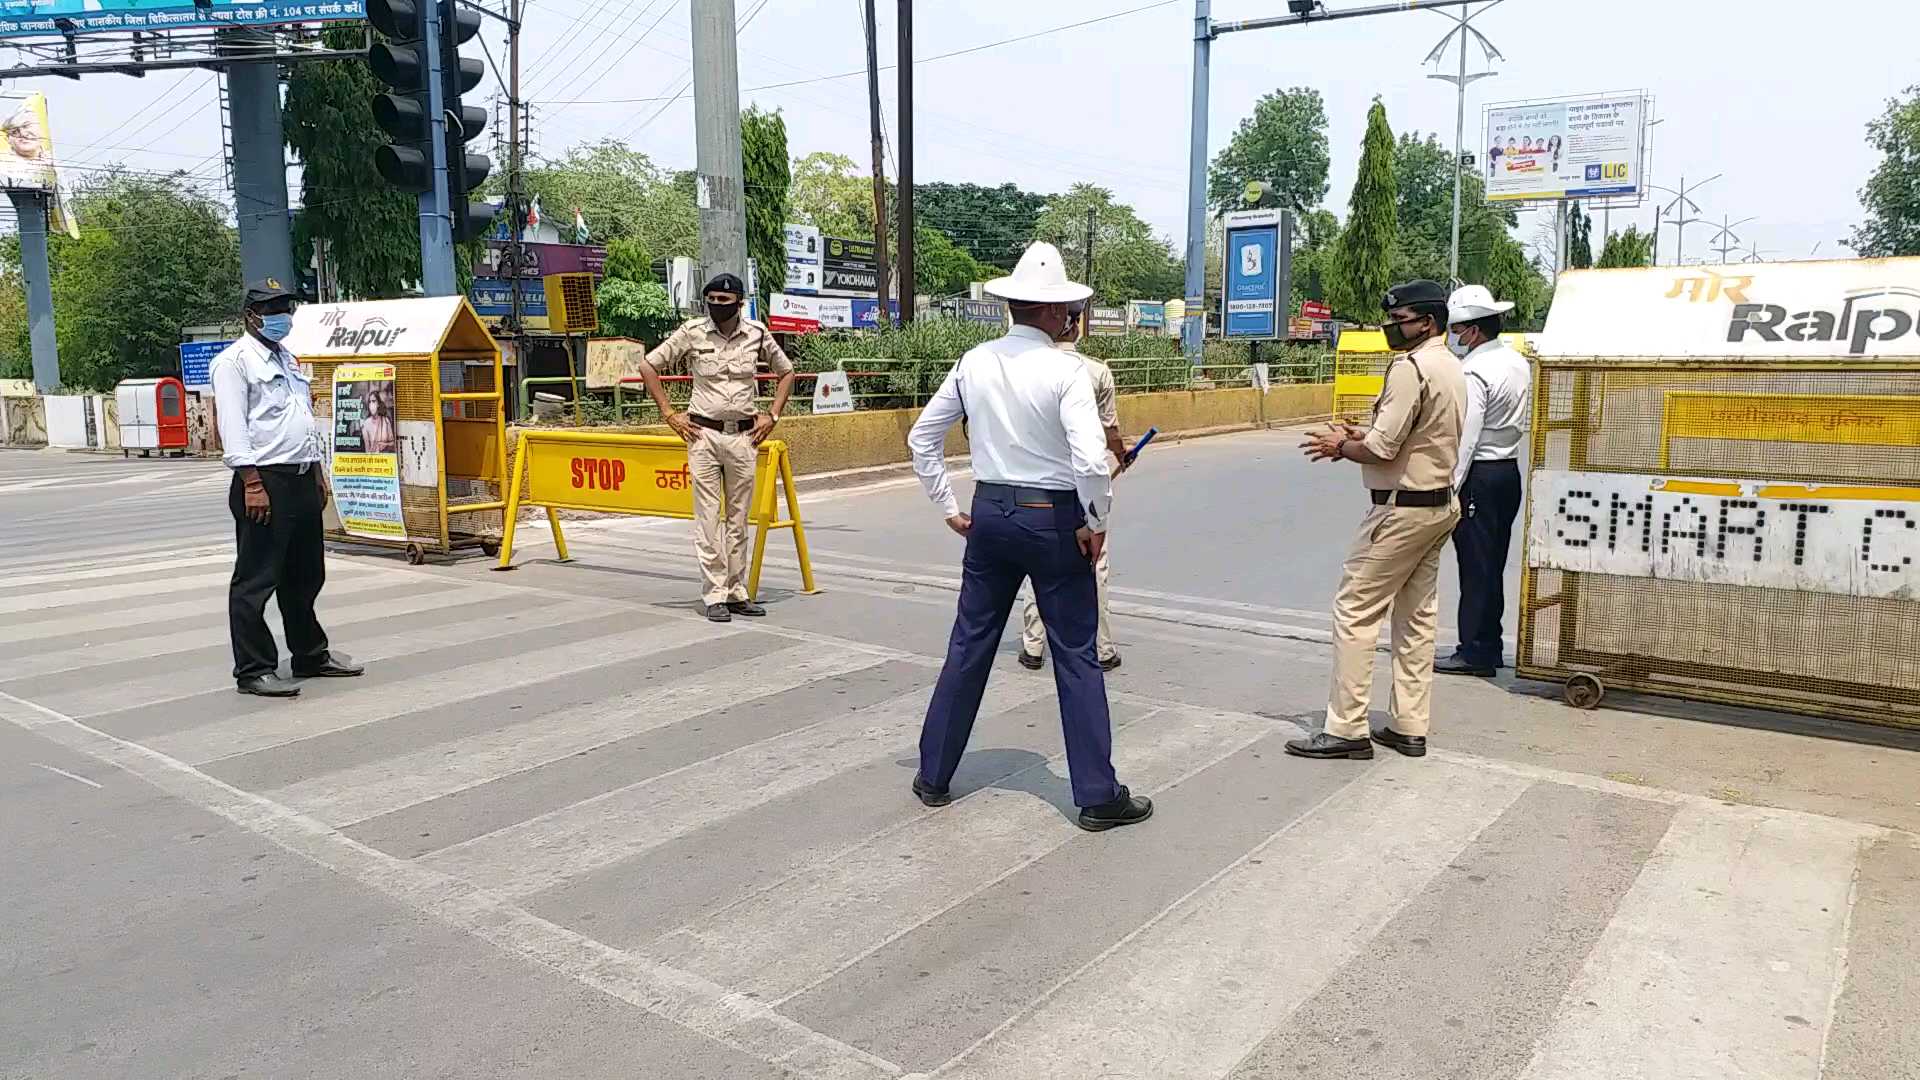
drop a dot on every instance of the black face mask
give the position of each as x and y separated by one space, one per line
722 313
1398 339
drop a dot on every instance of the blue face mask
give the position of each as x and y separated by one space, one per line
275 327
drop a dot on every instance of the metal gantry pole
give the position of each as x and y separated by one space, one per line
31 209
437 276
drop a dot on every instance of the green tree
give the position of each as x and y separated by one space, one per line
1579 238
1314 235
16 359
767 172
372 229
635 309
1129 261
154 255
829 193
941 268
1284 143
623 195
629 260
1361 268
992 224
1892 194
1423 176
1629 248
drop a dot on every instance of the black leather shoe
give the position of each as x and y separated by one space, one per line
1323 745
746 607
1410 745
1453 665
1108 663
1128 809
1030 661
331 668
719 613
930 795
267 686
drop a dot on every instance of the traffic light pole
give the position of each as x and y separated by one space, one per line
1193 329
437 276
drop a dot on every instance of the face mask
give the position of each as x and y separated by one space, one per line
275 327
721 313
1397 337
1456 346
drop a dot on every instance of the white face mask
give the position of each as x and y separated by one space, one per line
1456 346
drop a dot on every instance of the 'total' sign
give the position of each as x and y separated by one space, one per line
1840 539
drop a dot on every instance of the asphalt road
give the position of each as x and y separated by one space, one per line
565 828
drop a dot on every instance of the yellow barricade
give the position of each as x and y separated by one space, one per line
644 475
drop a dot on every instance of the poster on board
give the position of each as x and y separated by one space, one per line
366 452
1572 149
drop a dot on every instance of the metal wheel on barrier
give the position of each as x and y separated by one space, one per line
416 554
490 548
1584 691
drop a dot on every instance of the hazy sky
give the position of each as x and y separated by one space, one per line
1773 94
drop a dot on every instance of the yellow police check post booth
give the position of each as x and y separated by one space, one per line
646 476
1724 501
407 394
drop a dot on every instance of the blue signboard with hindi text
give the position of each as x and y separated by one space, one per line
196 357
55 18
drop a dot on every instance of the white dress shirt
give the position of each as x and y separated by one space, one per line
264 406
1499 407
1031 422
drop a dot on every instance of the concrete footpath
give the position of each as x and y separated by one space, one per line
566 828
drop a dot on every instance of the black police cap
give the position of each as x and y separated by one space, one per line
726 283
265 291
1414 294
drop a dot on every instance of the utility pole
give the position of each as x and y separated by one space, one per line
1460 82
1300 13
904 64
884 283
437 276
515 200
716 128
1678 209
1089 281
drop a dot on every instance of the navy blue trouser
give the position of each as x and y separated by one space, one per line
1489 502
1009 544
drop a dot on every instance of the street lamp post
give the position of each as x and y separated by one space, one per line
1299 13
1679 207
1463 27
1725 240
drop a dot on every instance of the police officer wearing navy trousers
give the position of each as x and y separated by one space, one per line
1499 415
263 405
1040 499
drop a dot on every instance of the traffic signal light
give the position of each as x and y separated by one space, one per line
405 114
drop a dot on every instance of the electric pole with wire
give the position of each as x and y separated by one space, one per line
908 291
883 281
719 188
1463 27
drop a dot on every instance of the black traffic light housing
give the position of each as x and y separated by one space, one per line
401 62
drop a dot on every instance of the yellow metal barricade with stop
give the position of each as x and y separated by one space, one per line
645 476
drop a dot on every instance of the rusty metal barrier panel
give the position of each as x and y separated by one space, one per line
1724 499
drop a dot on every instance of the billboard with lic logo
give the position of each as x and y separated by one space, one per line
1577 148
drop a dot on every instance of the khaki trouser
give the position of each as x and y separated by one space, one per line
1395 562
722 467
1033 632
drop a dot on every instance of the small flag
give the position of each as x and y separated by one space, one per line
579 227
533 214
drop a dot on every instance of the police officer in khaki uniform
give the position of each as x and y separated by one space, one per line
723 428
1407 460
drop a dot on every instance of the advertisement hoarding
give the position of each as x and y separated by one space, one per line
1255 273
52 18
848 267
1570 149
803 259
543 259
492 300
1107 321
1147 315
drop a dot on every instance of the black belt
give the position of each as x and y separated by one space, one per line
1023 496
724 427
1439 497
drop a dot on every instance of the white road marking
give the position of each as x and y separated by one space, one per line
784 941
68 775
107 695
211 604
1196 988
159 569
1723 957
557 847
374 700
382 787
96 594
729 1018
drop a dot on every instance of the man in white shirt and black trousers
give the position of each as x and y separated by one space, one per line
1041 494
263 405
1499 415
